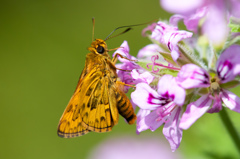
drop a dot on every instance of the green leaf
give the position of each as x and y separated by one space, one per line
143 64
168 71
234 25
188 55
230 84
235 28
167 56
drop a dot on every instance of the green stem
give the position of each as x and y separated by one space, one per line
230 128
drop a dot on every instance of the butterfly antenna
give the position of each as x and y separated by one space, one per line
108 37
93 21
128 28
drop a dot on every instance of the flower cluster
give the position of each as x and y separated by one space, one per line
185 73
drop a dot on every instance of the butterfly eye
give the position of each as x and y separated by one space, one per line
100 49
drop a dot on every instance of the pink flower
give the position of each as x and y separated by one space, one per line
214 13
192 76
160 107
170 36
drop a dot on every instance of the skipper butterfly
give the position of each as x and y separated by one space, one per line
99 97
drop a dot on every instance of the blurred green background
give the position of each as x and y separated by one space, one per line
43 44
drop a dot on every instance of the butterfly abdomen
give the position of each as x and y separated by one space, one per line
125 108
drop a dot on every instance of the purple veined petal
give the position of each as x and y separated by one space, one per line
148 51
171 39
217 105
145 77
192 76
171 129
141 125
157 33
154 121
146 98
161 30
194 111
231 100
184 7
168 88
228 64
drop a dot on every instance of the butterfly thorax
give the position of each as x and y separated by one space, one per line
101 63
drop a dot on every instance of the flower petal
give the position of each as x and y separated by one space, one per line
216 29
145 77
192 22
194 111
168 88
192 76
175 19
148 51
228 64
148 28
153 120
141 125
171 129
184 7
231 100
217 105
125 76
235 8
145 97
172 38
124 51
160 30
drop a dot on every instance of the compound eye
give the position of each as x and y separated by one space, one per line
100 49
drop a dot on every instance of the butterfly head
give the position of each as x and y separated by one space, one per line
99 46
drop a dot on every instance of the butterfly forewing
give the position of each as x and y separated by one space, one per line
98 98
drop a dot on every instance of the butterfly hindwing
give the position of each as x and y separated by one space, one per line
99 113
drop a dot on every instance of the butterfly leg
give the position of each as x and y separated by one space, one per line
124 70
124 84
114 60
